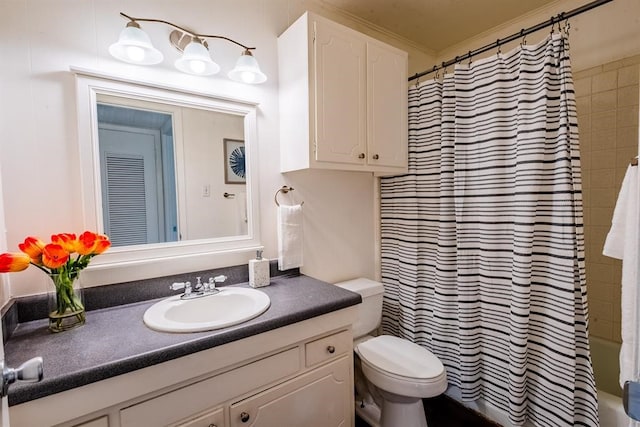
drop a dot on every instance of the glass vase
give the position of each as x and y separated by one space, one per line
66 309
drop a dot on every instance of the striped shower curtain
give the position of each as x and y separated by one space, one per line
482 241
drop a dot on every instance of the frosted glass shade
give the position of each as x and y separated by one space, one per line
134 46
247 70
196 60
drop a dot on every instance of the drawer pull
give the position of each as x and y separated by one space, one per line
376 157
331 349
361 156
244 417
212 425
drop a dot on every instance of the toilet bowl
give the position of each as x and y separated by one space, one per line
397 373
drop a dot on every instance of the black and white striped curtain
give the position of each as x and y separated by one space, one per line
482 241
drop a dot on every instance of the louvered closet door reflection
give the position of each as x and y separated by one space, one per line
130 190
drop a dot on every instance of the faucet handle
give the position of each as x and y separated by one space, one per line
177 286
213 281
198 284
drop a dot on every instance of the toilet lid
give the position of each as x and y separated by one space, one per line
400 357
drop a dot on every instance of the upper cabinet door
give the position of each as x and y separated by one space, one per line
343 99
387 131
341 105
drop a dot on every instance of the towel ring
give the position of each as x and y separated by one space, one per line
285 189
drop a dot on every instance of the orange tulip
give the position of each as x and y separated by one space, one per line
86 243
33 247
54 256
102 244
12 262
68 241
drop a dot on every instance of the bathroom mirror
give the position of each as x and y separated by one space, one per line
166 173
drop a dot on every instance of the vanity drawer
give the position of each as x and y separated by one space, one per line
328 347
98 422
181 404
213 418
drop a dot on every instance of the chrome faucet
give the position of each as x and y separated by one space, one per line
200 289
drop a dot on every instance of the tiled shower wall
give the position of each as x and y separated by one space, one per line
607 99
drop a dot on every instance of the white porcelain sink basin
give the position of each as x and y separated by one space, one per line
228 307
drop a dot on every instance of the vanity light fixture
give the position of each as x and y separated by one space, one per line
134 46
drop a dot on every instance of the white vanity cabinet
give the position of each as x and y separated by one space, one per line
343 99
301 374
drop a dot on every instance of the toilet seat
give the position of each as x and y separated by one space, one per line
402 367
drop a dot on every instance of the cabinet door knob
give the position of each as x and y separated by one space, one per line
244 417
331 349
212 425
376 157
361 156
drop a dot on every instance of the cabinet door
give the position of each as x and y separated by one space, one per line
320 398
387 132
340 91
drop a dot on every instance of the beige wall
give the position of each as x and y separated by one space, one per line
607 99
39 162
203 136
39 147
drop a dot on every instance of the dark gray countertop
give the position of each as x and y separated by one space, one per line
115 340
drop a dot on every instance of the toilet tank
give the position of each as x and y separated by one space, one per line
370 310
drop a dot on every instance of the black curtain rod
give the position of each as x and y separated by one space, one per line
525 31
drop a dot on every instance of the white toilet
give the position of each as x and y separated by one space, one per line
401 372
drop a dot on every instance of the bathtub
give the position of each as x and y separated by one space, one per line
604 356
606 369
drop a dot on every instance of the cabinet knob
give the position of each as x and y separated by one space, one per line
331 349
244 417
376 157
361 156
212 425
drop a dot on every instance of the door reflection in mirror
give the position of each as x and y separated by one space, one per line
139 201
162 172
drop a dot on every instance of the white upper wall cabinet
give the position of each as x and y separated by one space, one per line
343 99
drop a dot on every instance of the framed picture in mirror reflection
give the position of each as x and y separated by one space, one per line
234 161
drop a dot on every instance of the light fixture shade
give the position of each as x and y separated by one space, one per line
196 60
247 70
134 46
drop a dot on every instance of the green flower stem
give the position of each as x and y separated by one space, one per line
66 299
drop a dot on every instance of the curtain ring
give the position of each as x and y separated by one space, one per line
553 25
417 79
499 52
469 55
523 42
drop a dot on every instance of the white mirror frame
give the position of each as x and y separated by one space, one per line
120 264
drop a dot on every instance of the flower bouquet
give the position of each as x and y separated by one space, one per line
59 261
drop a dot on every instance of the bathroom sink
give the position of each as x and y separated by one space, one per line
228 307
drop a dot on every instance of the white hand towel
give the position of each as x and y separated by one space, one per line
290 237
622 242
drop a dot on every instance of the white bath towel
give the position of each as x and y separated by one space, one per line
622 242
290 237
